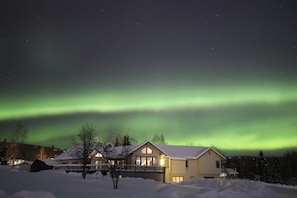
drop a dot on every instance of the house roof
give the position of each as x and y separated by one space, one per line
70 153
183 152
49 162
173 152
180 152
73 152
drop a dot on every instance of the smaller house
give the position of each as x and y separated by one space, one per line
42 164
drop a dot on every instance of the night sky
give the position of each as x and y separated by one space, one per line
214 72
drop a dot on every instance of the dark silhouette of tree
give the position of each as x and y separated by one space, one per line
276 170
115 173
263 168
85 137
116 142
159 139
3 152
289 167
126 140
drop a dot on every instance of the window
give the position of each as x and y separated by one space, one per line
137 162
146 161
98 163
218 164
146 150
149 151
177 179
187 164
98 155
143 151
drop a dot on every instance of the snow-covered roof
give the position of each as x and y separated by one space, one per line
174 152
120 151
183 152
73 152
180 152
49 162
70 153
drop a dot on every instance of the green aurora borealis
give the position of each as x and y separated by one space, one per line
232 117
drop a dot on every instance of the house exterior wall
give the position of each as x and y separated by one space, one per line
208 165
202 167
185 168
192 169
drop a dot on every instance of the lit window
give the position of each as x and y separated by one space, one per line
149 151
143 161
151 161
146 161
98 155
137 162
98 162
143 150
146 150
177 179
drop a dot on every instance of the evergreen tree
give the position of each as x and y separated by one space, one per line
126 140
116 141
3 152
276 170
263 168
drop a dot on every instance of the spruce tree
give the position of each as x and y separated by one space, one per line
263 168
3 153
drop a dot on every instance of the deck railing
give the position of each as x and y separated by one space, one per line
106 167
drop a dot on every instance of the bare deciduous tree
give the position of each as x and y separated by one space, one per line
86 138
18 136
159 139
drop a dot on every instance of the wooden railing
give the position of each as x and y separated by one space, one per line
106 167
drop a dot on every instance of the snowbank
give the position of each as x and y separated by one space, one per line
55 184
34 194
232 188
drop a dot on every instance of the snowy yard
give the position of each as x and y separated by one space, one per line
49 184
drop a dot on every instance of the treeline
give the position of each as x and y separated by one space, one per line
278 169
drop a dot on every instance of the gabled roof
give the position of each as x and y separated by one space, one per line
73 152
119 152
183 152
136 147
48 162
179 152
70 153
186 152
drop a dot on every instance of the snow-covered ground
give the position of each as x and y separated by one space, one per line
50 184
